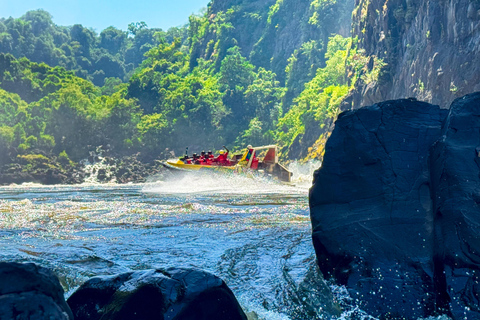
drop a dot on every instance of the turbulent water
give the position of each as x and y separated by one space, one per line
253 233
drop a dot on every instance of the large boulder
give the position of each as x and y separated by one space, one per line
156 294
371 207
395 208
456 193
28 291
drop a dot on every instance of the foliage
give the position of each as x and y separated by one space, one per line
112 53
321 98
236 75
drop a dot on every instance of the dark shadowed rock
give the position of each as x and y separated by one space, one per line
456 193
28 291
156 294
371 206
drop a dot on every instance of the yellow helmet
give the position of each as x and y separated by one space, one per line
221 151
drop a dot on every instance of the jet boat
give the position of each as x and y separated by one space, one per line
263 160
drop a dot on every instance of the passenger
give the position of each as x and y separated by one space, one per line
222 159
209 158
195 159
186 160
203 158
250 152
226 154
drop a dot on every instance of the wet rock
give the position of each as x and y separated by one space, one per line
456 193
395 208
371 206
133 169
28 291
54 177
15 178
102 175
156 294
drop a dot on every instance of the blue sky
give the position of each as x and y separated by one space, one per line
100 14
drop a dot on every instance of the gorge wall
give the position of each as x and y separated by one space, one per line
430 47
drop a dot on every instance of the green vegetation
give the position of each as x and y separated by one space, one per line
64 91
96 57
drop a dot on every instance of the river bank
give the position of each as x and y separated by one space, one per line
47 169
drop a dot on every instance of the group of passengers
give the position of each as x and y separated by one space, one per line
208 158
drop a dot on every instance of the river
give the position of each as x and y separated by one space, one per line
253 233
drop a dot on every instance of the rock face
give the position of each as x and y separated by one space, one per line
156 294
455 168
28 291
376 228
429 47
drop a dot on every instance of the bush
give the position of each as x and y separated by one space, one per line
63 159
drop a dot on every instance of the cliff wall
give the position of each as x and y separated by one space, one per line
431 48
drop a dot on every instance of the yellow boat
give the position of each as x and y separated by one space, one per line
262 159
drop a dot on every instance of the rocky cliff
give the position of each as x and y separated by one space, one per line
430 47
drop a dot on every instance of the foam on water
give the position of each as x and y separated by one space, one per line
232 183
92 169
303 172
253 232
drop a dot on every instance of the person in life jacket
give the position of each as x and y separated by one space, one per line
209 158
250 152
186 160
223 157
203 158
251 157
196 158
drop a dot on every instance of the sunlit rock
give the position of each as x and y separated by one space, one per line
28 291
156 294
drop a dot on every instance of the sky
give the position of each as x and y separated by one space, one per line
100 14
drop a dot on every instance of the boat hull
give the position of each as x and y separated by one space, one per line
180 165
276 170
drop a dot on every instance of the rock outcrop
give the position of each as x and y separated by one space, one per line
455 176
28 291
430 48
395 219
156 294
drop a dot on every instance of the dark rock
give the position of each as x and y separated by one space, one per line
16 178
394 207
54 177
371 207
28 291
156 294
456 192
102 175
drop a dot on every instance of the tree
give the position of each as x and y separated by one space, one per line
135 27
113 39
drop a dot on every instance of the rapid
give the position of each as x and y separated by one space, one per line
253 233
